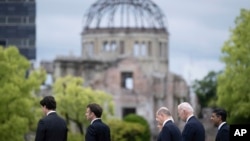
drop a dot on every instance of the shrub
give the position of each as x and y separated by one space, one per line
133 118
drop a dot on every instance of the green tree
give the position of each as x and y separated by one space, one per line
17 94
133 118
233 90
73 98
205 89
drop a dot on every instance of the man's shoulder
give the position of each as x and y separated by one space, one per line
169 123
53 116
195 123
194 119
225 127
99 123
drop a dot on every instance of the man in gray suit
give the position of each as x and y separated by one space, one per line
51 127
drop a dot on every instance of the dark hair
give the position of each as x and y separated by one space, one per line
49 102
96 109
220 112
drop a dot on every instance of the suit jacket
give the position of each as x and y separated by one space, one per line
223 133
193 130
51 128
98 131
169 132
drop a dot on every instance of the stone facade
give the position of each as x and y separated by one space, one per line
131 63
132 66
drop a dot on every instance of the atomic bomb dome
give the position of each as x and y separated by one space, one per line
125 53
124 14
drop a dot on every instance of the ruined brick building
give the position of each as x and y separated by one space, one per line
125 52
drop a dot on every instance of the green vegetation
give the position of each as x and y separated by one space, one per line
133 118
205 90
18 105
72 100
233 84
126 131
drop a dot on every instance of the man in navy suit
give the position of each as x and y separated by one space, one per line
193 129
97 130
51 127
169 131
218 118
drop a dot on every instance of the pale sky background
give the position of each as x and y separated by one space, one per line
198 30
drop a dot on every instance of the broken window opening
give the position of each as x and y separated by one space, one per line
127 80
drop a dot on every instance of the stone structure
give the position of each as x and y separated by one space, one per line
128 61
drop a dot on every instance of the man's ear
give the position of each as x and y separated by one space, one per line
45 107
220 117
92 113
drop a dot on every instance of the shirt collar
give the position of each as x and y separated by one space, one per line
94 120
189 117
221 125
52 111
166 121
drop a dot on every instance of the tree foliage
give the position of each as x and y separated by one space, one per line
205 89
233 84
17 104
73 98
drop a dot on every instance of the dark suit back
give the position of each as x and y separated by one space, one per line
98 131
51 128
223 133
193 130
169 132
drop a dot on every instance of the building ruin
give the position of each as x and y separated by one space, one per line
125 52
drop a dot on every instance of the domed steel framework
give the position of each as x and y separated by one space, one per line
124 14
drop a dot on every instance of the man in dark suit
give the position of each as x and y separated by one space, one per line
218 118
169 131
51 127
97 130
193 129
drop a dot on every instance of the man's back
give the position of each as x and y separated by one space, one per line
193 130
170 132
51 128
98 131
223 133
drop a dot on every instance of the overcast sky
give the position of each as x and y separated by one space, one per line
198 30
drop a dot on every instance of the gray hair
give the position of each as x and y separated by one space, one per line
186 106
164 110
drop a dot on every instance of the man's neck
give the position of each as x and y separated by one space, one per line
167 119
189 117
221 124
50 111
94 120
